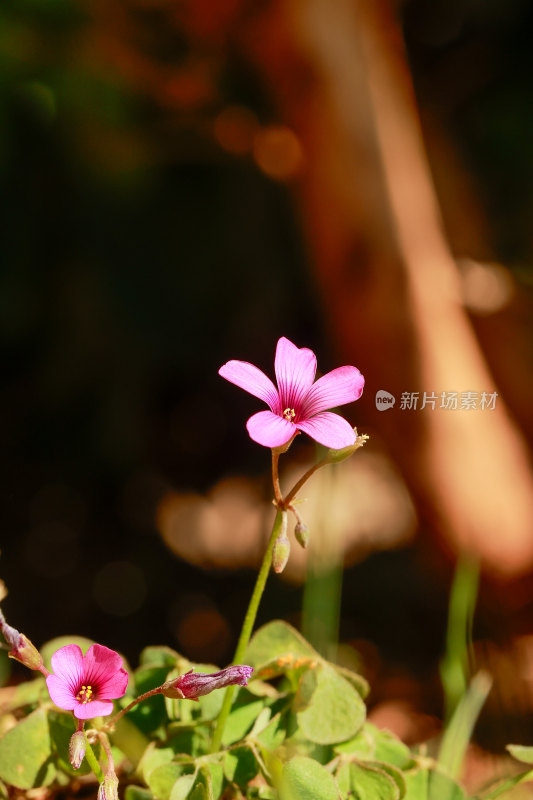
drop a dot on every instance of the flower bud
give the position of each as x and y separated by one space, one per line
282 546
108 789
281 552
336 456
21 649
301 533
193 685
76 749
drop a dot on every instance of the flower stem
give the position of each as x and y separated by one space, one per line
113 721
104 741
275 478
247 628
93 761
297 486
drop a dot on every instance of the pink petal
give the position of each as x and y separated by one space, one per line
329 429
67 664
252 380
98 708
270 430
114 687
100 664
60 692
295 372
340 386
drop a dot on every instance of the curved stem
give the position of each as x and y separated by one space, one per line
247 628
112 722
298 485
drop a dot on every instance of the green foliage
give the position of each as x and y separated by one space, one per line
26 753
305 779
332 709
521 753
298 731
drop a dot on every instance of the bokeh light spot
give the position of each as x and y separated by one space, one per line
278 152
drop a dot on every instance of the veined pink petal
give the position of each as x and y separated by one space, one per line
295 372
336 388
100 663
252 380
67 664
97 708
270 430
113 687
60 692
329 429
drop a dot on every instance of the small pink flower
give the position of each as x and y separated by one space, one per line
86 684
299 403
193 685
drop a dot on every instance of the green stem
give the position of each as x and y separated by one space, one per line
509 784
246 631
93 761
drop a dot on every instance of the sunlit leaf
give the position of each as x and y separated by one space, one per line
332 710
26 753
306 779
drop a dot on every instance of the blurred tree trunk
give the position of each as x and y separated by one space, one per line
388 281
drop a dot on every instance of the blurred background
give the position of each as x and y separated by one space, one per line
184 183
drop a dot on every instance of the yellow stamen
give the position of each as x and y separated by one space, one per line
85 694
289 414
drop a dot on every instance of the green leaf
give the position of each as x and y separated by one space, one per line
458 732
61 727
182 787
212 774
357 681
151 713
137 793
393 773
277 640
26 753
154 757
333 710
240 766
389 749
199 793
160 656
521 752
362 745
162 779
273 735
425 784
367 782
210 705
26 694
240 720
305 779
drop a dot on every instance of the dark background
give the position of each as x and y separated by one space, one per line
138 254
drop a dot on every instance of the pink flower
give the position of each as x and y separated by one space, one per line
298 404
86 684
193 685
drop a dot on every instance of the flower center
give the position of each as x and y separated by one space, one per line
85 694
289 414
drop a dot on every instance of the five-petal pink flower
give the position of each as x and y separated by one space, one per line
86 684
299 403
